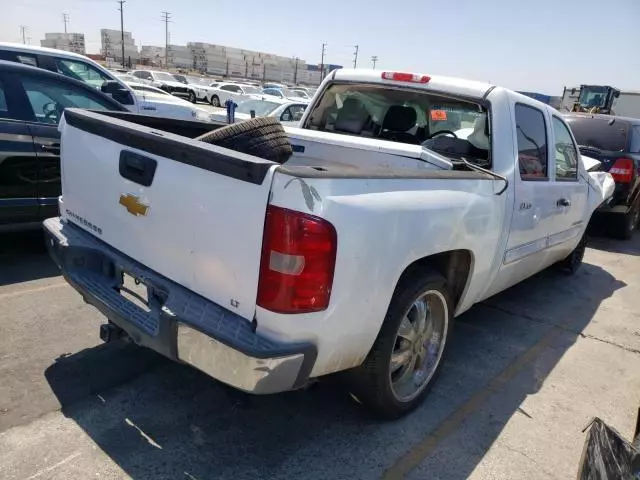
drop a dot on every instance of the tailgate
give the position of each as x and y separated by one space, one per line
190 211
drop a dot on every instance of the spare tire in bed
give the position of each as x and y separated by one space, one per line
262 137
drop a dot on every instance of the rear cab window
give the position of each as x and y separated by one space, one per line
457 129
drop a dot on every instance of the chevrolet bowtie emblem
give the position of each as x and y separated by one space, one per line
133 205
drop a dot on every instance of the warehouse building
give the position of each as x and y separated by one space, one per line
152 55
111 42
70 42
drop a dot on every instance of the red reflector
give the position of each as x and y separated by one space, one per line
622 170
405 77
297 262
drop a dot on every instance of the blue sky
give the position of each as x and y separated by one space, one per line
538 45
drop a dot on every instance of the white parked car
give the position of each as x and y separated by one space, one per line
286 94
167 82
79 68
353 254
157 102
201 86
306 91
287 111
238 92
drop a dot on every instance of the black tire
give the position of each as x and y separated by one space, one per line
192 97
623 226
371 383
573 262
215 101
262 137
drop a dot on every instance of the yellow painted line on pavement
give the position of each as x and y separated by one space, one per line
32 290
414 457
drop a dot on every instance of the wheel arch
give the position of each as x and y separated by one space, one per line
455 266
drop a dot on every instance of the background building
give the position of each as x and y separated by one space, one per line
111 41
71 42
180 56
152 55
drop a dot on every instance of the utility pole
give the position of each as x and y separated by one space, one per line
65 19
295 73
121 2
165 18
324 46
374 59
23 31
355 57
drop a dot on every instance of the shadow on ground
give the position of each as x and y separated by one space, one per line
24 257
174 422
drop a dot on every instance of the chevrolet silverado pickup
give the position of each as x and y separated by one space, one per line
407 199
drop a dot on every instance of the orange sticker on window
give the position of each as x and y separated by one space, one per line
438 115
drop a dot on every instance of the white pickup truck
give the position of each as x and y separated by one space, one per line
407 199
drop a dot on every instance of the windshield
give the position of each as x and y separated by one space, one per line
250 90
294 94
593 96
596 132
181 78
148 89
261 107
454 128
198 81
164 76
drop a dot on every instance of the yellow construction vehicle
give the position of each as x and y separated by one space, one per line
596 99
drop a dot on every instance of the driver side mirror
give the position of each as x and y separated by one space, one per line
285 117
117 91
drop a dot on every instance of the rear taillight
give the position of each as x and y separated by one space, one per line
622 170
297 263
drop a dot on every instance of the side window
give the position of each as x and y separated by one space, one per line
81 71
48 99
634 147
137 74
227 88
286 115
532 142
27 60
293 113
4 109
147 76
565 152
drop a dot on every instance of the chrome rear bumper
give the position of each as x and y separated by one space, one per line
179 323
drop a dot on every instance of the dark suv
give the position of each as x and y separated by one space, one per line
31 104
615 141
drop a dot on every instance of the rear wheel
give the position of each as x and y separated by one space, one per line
626 224
262 137
215 101
407 355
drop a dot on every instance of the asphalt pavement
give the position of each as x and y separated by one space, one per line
525 373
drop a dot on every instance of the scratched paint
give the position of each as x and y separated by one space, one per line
309 193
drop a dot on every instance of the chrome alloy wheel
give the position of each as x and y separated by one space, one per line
418 346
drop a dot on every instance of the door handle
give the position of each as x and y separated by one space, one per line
563 202
53 148
137 168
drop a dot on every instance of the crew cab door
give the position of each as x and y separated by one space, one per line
570 190
535 211
44 99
